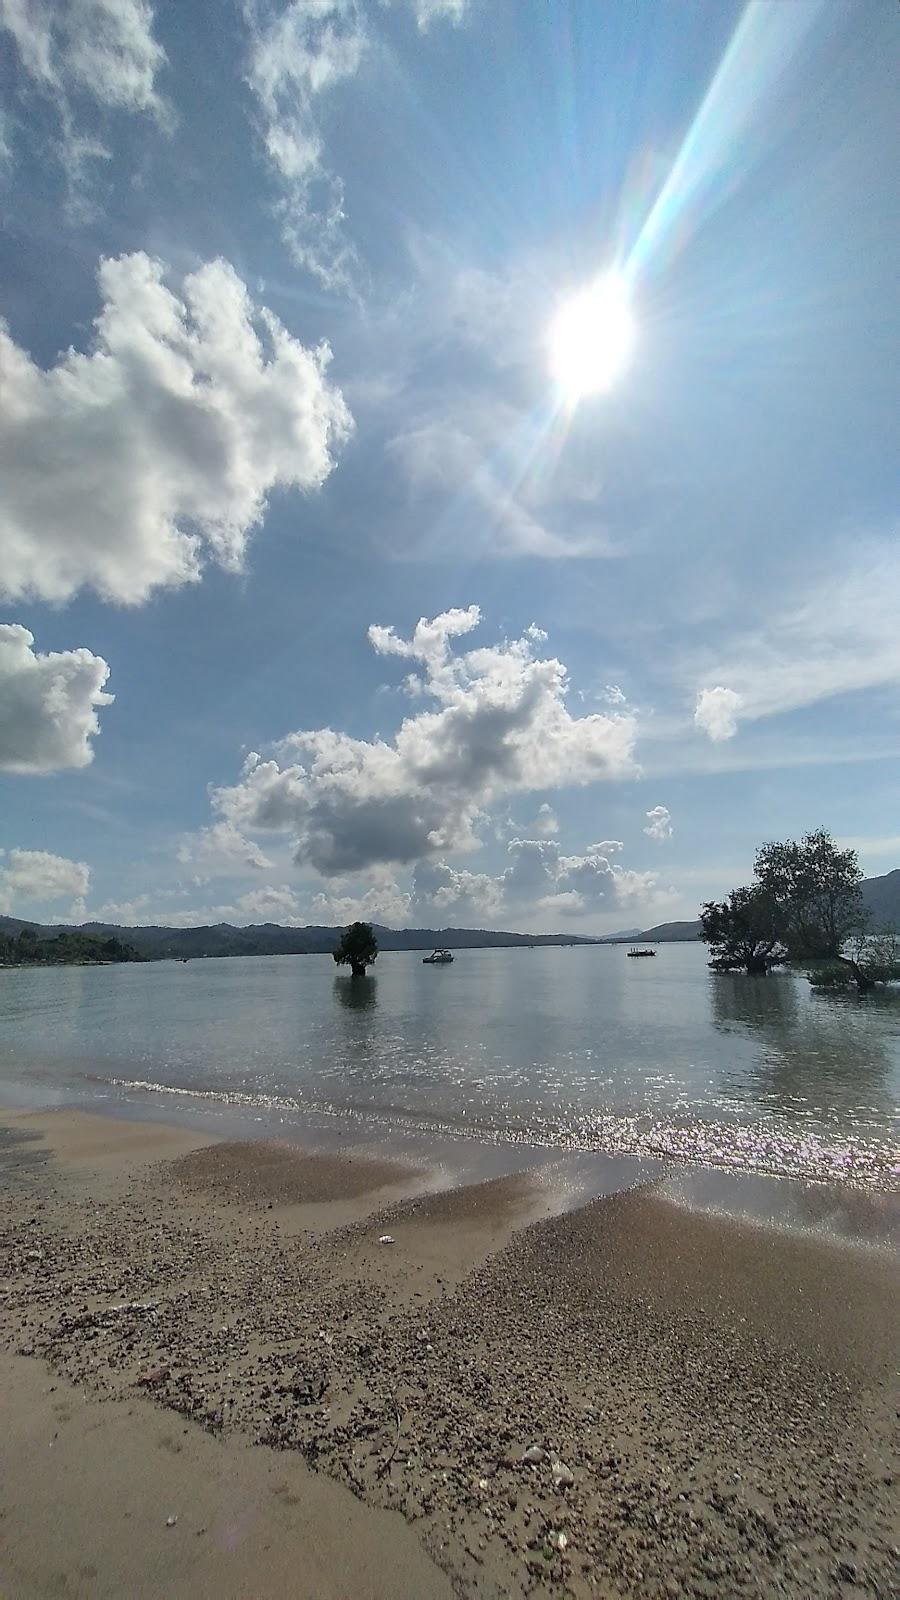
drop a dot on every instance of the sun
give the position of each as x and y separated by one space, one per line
591 338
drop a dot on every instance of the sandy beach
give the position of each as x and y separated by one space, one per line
219 1380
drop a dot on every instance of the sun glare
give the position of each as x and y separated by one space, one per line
591 339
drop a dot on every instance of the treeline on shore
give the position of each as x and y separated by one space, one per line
70 948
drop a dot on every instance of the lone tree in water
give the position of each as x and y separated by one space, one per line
358 948
742 931
816 890
804 904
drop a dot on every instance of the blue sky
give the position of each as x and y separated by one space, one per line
280 379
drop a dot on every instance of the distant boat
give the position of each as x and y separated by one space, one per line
438 958
635 952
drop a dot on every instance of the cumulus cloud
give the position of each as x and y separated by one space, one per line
385 902
540 878
48 704
76 52
35 878
124 468
220 849
439 888
500 725
716 712
659 823
269 904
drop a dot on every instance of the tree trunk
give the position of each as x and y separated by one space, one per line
863 982
757 966
357 969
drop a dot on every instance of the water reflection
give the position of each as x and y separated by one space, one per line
356 994
825 1056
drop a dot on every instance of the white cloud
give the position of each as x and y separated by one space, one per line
298 58
431 11
301 55
659 823
439 888
612 694
31 878
103 48
839 637
384 903
501 726
716 712
78 51
48 704
220 849
268 904
124 468
539 879
546 822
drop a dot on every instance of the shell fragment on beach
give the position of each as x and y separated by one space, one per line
387 1238
563 1476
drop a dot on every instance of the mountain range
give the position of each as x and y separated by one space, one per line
881 897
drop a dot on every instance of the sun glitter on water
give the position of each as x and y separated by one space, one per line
591 339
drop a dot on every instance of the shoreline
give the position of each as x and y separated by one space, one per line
848 1210
718 1393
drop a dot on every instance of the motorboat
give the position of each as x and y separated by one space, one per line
438 958
636 953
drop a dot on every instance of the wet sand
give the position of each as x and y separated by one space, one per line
625 1400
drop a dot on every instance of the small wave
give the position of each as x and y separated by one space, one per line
755 1148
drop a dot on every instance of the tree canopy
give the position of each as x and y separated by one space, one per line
358 948
816 890
804 904
742 931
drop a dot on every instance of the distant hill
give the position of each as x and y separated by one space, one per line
269 938
671 932
881 898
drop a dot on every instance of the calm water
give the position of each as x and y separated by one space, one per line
579 1049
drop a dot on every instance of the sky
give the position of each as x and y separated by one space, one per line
448 455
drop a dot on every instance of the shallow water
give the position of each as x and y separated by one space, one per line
572 1049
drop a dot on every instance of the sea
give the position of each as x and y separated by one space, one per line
567 1050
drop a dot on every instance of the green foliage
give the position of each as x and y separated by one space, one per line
831 977
72 947
875 960
358 948
803 905
742 931
815 888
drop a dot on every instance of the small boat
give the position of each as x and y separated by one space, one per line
438 958
635 952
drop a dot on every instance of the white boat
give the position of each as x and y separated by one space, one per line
438 958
